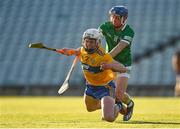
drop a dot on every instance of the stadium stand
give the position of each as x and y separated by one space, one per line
60 23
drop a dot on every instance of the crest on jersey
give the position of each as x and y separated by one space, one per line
116 39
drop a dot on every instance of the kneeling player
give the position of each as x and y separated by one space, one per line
98 69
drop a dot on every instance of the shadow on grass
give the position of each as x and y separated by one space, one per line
148 122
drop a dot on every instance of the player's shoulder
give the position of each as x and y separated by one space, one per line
128 28
101 51
108 57
82 50
105 25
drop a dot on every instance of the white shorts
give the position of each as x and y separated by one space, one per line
127 74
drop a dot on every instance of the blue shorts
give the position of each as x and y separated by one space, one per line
98 92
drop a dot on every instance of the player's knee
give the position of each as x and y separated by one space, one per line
90 109
109 118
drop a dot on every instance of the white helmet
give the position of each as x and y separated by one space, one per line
93 34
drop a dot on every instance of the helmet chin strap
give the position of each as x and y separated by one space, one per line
122 21
90 51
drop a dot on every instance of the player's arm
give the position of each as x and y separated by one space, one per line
118 48
69 51
124 42
110 63
118 67
114 66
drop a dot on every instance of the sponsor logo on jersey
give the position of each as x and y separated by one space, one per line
117 39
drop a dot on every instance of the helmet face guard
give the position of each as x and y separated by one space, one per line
90 40
90 45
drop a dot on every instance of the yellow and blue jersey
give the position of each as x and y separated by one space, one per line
91 67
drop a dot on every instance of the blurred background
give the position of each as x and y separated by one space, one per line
61 23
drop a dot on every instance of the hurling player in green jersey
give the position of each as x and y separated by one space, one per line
119 35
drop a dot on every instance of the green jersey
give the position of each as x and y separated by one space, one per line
113 37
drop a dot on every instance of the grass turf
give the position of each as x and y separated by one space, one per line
70 112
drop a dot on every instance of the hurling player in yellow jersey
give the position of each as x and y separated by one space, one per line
98 68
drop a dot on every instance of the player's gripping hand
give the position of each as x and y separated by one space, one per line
105 66
68 52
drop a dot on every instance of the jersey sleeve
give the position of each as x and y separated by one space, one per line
100 28
107 58
128 35
103 28
81 51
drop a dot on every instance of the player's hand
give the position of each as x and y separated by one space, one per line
105 66
64 51
68 52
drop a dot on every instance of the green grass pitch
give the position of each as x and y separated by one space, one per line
70 112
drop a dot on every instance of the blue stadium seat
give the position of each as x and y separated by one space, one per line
60 23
